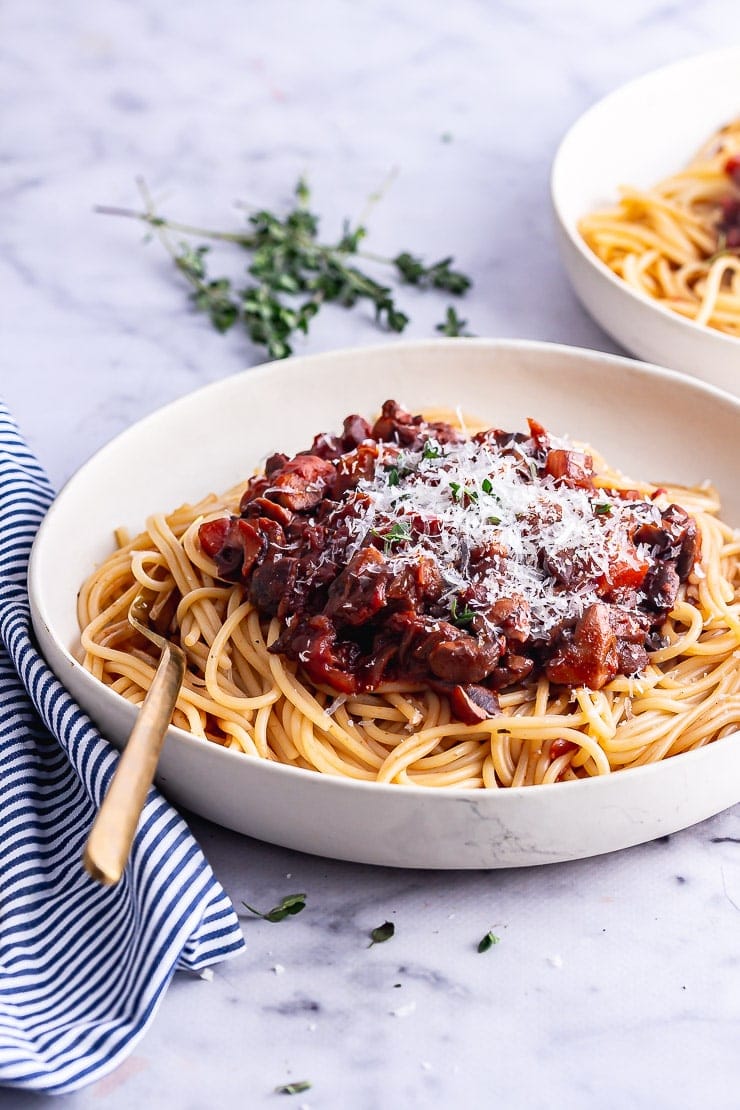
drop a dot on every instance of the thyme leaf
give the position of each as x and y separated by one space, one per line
287 907
401 530
382 933
488 941
437 276
293 1088
464 494
463 617
452 324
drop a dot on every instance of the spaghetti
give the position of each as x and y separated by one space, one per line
679 242
509 611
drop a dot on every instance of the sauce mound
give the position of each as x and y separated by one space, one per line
407 552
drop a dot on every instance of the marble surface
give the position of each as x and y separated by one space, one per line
616 981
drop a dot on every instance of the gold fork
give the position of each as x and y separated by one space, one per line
112 834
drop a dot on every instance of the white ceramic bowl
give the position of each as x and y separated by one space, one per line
637 135
647 421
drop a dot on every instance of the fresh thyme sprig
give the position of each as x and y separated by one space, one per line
292 274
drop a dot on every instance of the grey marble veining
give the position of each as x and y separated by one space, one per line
616 981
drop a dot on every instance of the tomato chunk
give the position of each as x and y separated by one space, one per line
574 468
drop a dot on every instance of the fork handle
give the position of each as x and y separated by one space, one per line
112 834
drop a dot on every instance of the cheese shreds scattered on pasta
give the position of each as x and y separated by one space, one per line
481 496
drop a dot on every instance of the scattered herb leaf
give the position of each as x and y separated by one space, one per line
603 509
431 450
487 485
382 933
393 476
292 274
288 907
452 325
293 1088
488 941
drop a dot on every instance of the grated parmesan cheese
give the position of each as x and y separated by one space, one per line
447 500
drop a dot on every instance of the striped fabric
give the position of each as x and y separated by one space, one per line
82 967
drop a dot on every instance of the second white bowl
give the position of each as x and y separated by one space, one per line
642 132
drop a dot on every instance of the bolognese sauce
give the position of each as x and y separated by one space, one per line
406 551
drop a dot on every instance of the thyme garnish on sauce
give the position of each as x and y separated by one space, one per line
460 618
292 274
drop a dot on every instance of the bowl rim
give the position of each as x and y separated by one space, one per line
568 227
396 790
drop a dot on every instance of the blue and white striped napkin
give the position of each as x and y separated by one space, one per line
82 967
